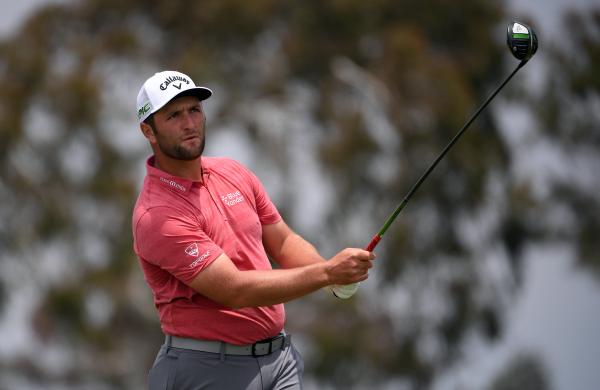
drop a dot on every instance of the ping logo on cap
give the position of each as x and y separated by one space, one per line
143 110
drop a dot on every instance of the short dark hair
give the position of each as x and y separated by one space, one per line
150 121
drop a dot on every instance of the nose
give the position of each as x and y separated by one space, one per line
188 121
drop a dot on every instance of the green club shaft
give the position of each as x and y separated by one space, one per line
377 237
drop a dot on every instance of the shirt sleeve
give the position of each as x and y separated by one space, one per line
174 243
265 208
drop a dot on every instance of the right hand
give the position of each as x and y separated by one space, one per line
350 265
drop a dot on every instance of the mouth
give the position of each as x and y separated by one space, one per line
191 137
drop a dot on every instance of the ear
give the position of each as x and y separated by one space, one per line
147 131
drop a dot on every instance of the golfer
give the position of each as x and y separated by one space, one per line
204 229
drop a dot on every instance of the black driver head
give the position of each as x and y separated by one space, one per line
521 40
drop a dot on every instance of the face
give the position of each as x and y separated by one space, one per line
178 130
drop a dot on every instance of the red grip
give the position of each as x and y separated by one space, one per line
374 241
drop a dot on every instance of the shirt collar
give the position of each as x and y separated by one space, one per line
176 183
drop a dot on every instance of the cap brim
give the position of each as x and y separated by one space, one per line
200 92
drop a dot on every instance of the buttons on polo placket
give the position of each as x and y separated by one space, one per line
205 184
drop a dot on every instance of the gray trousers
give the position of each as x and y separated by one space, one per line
184 369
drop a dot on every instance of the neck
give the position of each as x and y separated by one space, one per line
187 169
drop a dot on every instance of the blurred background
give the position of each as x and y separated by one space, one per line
489 279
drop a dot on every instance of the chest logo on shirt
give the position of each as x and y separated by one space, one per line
192 250
232 198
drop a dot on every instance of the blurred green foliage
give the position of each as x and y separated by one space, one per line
523 372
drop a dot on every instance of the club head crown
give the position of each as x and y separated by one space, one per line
521 40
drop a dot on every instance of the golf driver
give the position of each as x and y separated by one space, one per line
522 42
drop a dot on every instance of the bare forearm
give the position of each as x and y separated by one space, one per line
307 272
261 288
287 248
297 252
222 282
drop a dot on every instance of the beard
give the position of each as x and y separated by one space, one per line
181 152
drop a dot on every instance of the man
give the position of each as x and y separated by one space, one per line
203 230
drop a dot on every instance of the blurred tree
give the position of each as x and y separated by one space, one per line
523 372
378 88
568 107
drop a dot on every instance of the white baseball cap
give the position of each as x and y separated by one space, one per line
163 87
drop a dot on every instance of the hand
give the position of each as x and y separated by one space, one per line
350 265
344 291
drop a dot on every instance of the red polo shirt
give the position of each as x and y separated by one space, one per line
182 226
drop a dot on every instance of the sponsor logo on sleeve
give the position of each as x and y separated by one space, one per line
192 250
200 259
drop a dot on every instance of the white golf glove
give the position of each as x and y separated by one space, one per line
344 291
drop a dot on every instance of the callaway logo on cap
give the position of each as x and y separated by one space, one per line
164 86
